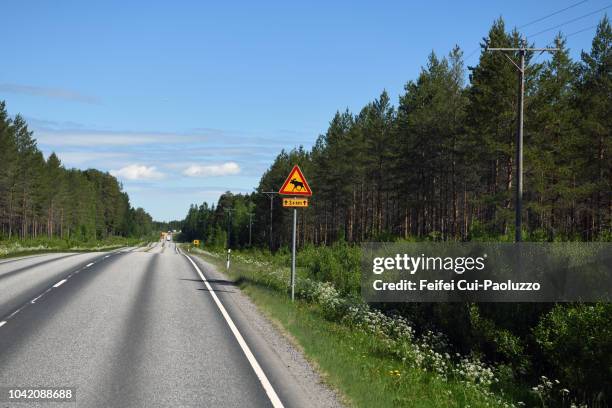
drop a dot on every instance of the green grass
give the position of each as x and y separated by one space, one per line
352 361
15 248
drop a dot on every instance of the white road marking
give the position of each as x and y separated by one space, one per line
60 283
57 285
106 256
15 312
276 402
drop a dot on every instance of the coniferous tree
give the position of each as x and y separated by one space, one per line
41 197
593 98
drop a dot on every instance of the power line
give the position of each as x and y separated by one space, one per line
475 50
581 31
471 53
552 14
570 21
565 36
574 33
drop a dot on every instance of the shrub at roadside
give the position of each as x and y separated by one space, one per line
504 335
392 335
339 264
576 342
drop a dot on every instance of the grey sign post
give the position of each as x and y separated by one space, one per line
293 255
295 185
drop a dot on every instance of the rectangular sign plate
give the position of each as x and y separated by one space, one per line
295 202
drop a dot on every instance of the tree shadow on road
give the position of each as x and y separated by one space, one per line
215 282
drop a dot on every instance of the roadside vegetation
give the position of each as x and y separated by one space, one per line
411 355
440 166
17 247
440 163
46 207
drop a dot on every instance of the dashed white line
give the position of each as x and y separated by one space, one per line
36 298
60 283
276 402
57 285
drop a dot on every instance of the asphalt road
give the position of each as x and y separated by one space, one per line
131 328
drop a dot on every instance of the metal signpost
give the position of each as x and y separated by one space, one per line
295 185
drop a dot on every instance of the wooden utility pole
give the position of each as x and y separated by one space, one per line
271 195
519 132
229 226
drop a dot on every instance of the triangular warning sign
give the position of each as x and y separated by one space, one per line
296 184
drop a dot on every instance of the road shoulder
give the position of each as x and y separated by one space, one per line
295 380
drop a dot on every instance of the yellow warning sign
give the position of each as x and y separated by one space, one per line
295 202
296 184
196 242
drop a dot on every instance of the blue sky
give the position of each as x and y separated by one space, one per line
184 100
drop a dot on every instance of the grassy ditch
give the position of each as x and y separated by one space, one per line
542 354
355 348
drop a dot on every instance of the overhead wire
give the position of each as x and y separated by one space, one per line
581 31
570 21
565 36
552 14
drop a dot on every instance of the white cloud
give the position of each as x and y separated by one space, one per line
54 93
137 172
100 138
224 169
86 157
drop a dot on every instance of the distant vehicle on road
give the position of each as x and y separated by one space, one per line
168 237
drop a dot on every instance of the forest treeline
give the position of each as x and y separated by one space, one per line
441 163
40 198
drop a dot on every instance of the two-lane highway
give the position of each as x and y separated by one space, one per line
130 328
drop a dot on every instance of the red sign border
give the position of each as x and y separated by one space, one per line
301 193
